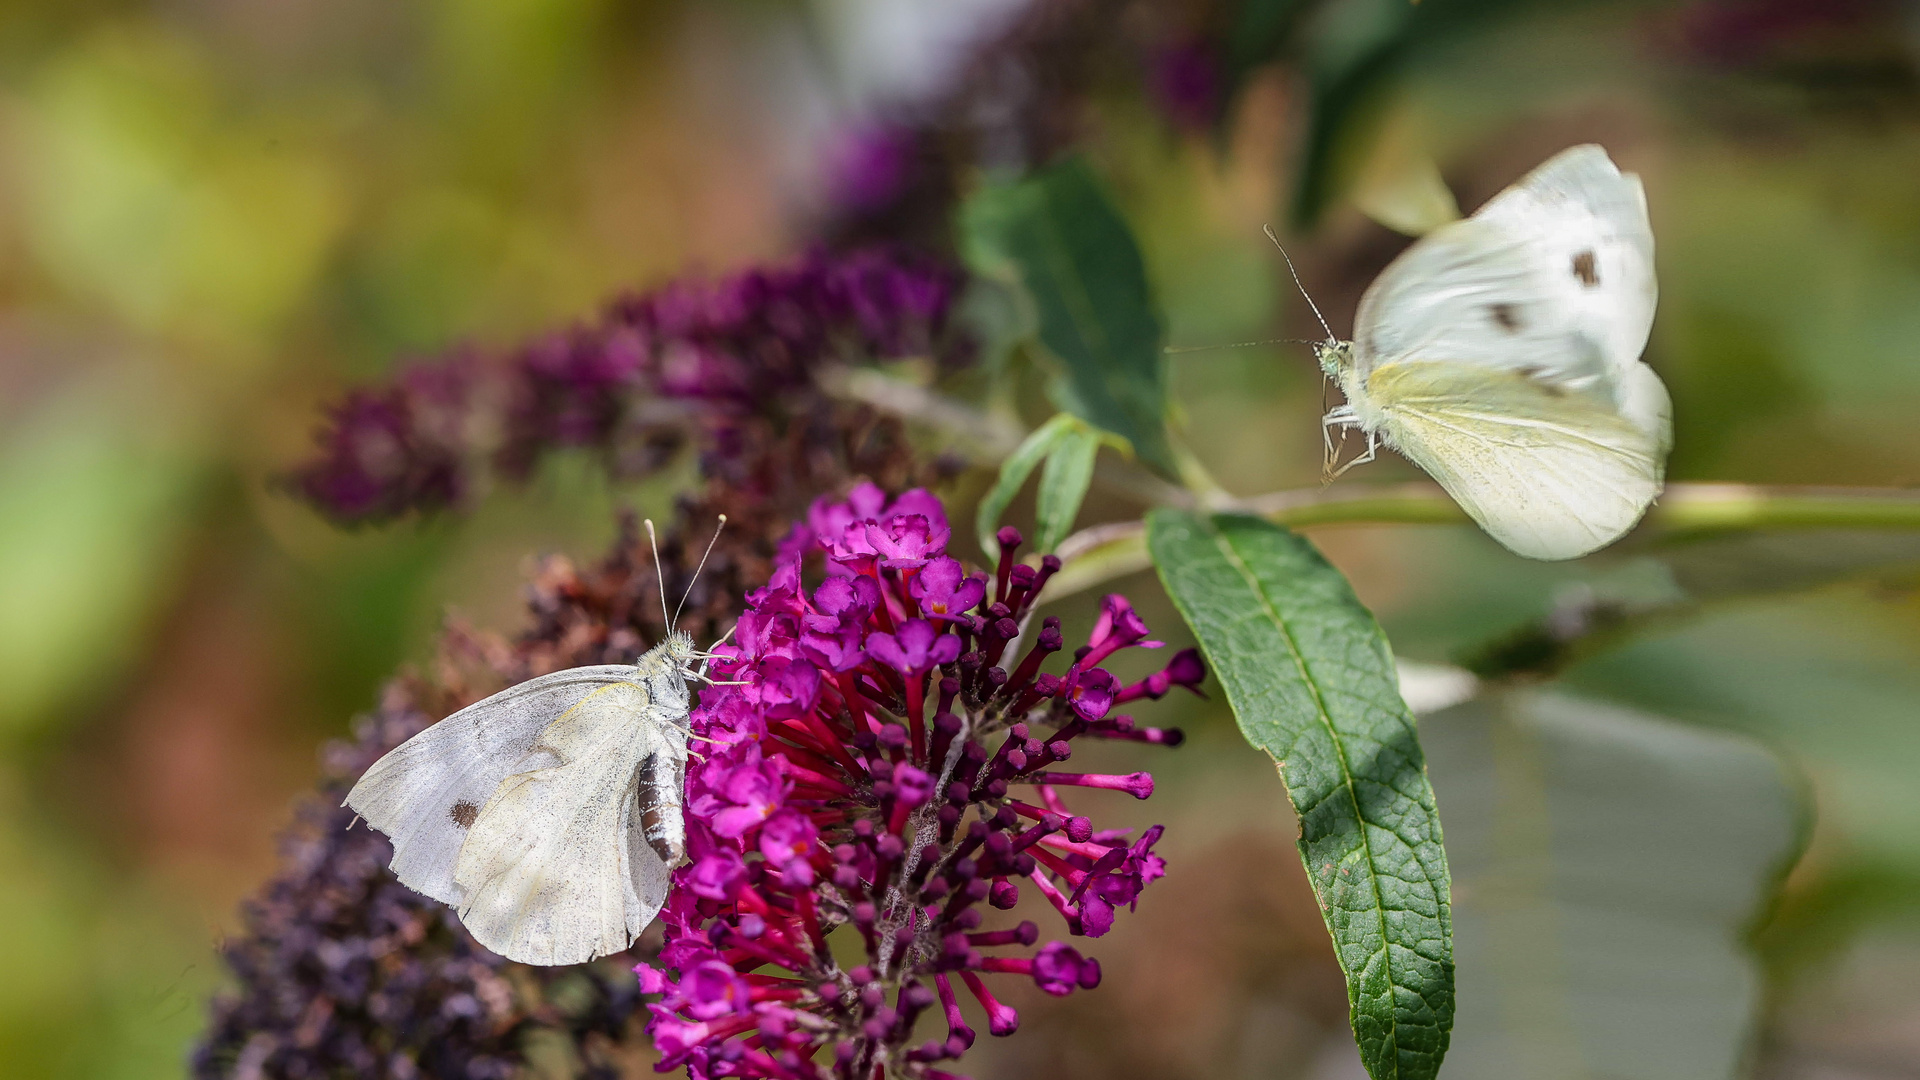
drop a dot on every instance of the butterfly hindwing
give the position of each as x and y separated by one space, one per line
427 793
551 873
1550 473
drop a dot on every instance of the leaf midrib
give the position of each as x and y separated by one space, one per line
1346 770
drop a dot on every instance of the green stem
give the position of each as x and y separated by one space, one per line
1701 508
1104 552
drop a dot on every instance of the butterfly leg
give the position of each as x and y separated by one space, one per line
709 656
1341 417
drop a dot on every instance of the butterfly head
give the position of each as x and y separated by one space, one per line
680 650
1336 357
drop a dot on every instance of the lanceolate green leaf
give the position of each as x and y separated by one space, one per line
1013 475
1063 484
1062 238
1312 682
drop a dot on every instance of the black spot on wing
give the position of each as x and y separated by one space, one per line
463 813
1505 316
1586 269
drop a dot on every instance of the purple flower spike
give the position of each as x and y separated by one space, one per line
907 541
872 168
714 874
919 502
1059 969
787 687
1118 627
787 836
854 786
916 649
708 352
840 598
1185 669
946 592
744 795
829 518
712 990
1089 693
1102 892
912 786
838 650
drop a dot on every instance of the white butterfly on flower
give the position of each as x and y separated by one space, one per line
548 815
1501 354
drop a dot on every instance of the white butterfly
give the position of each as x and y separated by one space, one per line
547 815
1501 354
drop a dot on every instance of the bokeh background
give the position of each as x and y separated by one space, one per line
215 215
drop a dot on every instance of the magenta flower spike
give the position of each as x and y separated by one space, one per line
859 779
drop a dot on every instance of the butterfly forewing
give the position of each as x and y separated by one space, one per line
1554 276
548 815
427 793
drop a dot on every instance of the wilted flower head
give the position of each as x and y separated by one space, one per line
883 761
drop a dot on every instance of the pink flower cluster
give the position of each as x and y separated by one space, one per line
888 765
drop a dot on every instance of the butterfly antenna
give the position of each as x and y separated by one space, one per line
660 572
697 569
1268 229
1241 345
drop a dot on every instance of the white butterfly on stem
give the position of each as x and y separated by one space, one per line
1501 354
548 815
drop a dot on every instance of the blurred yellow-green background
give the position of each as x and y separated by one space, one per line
215 214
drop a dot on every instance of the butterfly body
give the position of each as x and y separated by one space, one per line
1501 354
547 815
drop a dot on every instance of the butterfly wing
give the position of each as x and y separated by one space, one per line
1554 277
426 793
1501 354
557 869
1551 473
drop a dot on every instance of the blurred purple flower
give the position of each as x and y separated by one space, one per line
687 360
871 168
1187 82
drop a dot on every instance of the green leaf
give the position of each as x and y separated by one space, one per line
1259 31
1610 865
1311 681
1059 235
1355 51
98 485
1013 475
1063 484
